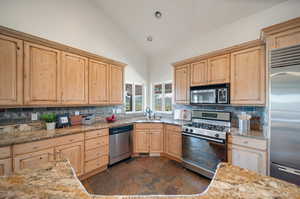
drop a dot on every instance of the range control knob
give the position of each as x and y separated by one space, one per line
217 135
191 130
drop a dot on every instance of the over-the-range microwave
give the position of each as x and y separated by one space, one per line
211 94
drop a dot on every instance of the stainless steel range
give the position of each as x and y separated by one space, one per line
204 141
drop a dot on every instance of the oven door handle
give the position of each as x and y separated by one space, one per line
205 138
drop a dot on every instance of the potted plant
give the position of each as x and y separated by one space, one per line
49 119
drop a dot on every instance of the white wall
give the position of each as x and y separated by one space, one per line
77 23
245 29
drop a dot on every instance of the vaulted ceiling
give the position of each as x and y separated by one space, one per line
180 18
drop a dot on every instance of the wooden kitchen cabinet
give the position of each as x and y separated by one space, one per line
98 82
41 75
199 73
74 79
148 138
74 153
33 159
116 84
141 141
248 76
5 161
11 71
248 153
156 141
218 69
173 141
182 84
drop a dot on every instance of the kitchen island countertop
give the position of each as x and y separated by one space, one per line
57 180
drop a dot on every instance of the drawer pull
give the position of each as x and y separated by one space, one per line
246 142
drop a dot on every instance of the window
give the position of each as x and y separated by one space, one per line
162 97
134 97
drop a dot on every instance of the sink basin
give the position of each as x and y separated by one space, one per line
148 120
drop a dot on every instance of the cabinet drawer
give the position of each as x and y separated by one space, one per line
5 152
69 139
249 142
96 163
96 142
149 126
173 128
97 133
32 146
96 152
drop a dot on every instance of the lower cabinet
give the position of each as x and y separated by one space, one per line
5 166
33 160
74 152
148 138
248 154
173 141
96 150
5 161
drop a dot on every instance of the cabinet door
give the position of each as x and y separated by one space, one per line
199 73
248 76
116 84
141 141
33 160
42 75
74 79
156 141
5 167
218 70
181 76
74 153
11 71
253 160
98 82
173 143
284 39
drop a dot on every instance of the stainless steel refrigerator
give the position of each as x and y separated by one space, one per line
285 114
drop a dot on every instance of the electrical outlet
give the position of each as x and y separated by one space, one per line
77 112
34 116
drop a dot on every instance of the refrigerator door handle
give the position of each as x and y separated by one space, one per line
288 170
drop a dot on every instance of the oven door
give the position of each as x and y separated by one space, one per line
206 96
202 154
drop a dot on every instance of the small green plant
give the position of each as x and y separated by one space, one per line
48 117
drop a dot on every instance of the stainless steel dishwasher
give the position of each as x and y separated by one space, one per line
120 143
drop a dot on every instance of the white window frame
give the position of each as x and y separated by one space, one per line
163 96
133 97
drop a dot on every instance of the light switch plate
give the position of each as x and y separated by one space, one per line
34 116
77 112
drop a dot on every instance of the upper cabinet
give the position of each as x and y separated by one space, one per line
41 75
248 76
182 84
215 70
199 73
11 71
218 71
282 35
98 82
74 79
37 72
116 84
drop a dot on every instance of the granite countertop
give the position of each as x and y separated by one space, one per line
9 138
251 134
57 180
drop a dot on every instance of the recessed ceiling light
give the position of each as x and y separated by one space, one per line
158 14
149 38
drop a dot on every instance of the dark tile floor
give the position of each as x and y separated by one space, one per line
146 176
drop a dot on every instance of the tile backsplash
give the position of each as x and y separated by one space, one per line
259 114
23 115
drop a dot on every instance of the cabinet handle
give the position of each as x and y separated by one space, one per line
246 142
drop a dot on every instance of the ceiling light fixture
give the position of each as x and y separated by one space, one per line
149 38
158 14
